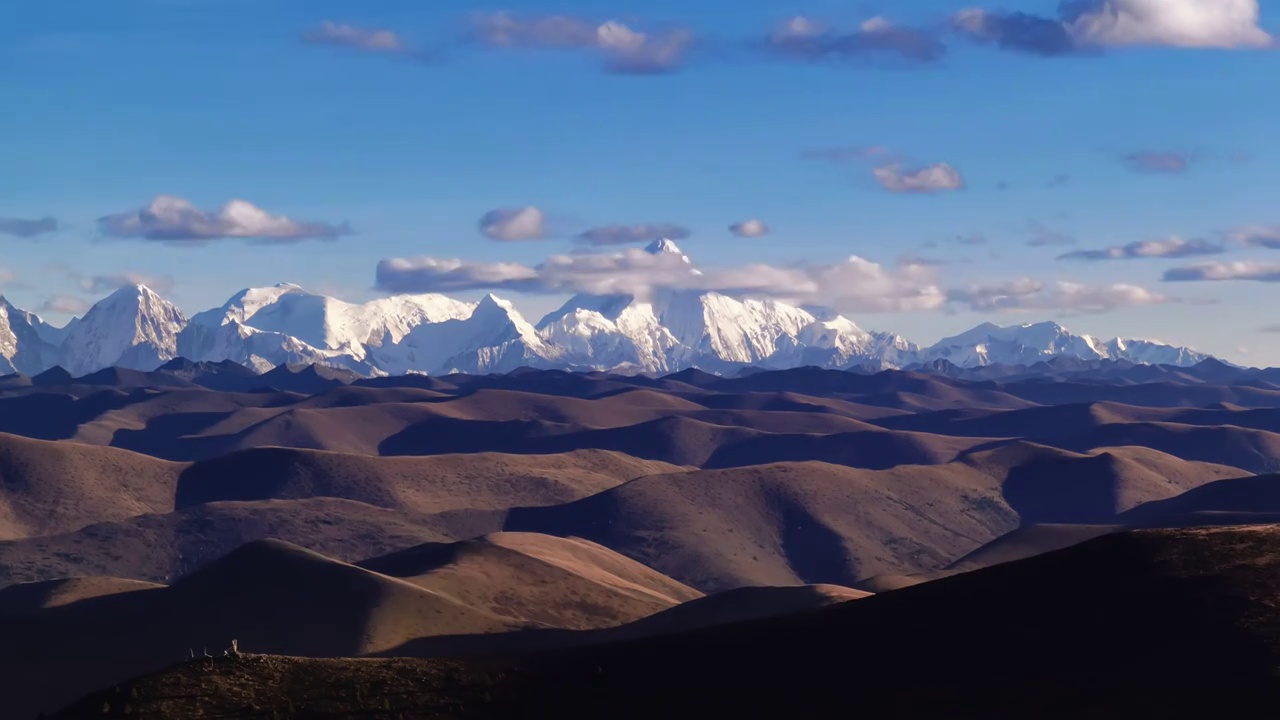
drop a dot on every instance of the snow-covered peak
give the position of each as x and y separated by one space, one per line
495 315
493 337
132 327
245 304
670 331
328 323
138 300
607 306
990 344
663 246
27 343
1152 352
729 329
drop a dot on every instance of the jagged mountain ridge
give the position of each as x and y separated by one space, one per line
263 328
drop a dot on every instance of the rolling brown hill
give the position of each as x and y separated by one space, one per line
1237 498
426 485
35 596
161 547
724 608
735 606
1047 485
278 598
1185 606
796 523
270 596
786 523
1186 626
52 487
564 583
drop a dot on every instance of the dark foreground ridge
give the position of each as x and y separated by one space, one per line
1153 623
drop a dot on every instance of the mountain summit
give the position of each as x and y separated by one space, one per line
131 328
670 331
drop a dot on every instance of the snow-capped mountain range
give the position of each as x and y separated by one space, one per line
433 334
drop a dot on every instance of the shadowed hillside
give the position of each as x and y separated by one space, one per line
1164 612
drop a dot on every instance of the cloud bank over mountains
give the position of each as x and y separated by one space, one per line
854 285
609 325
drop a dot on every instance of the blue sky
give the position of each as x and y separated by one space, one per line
1148 129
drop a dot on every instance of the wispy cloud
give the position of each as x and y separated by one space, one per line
107 282
1263 236
623 48
1045 236
1089 25
632 234
27 229
921 261
846 154
813 40
1171 248
64 304
111 282
856 284
852 285
1157 163
176 221
1029 294
356 38
1222 272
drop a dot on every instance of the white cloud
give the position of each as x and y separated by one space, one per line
342 35
624 49
1174 247
750 228
926 180
1176 23
810 39
503 29
427 274
1085 24
1220 272
6 275
508 224
1029 294
854 285
174 220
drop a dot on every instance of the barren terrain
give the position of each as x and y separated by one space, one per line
661 529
